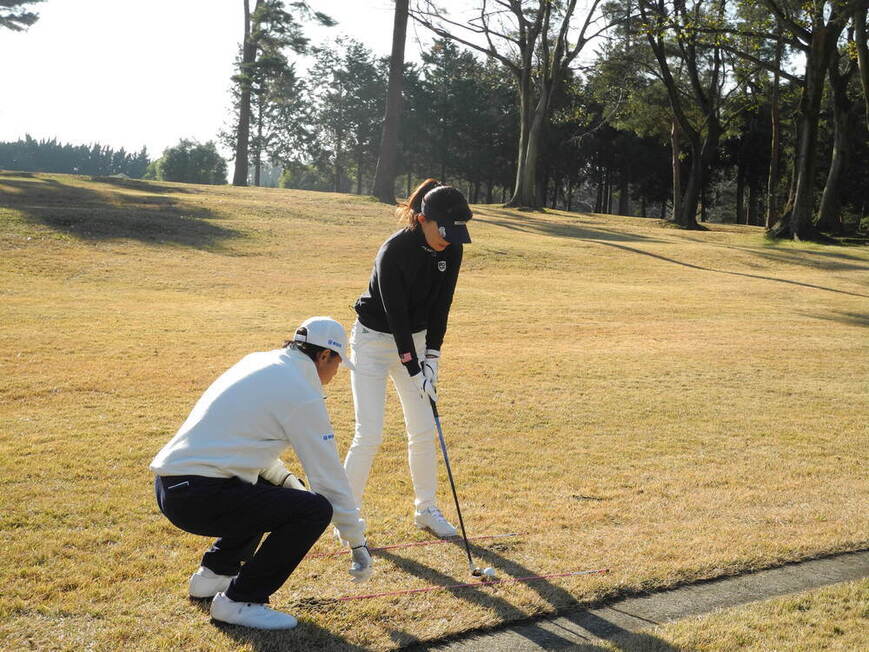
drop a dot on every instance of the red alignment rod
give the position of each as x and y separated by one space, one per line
419 543
426 589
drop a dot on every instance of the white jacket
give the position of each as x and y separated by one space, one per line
262 405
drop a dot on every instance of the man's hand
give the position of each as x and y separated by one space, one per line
425 387
430 365
361 567
292 482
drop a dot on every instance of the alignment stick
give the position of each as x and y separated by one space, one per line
410 544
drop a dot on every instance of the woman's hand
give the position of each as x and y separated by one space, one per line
425 387
430 365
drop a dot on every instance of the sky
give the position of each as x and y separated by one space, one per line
130 74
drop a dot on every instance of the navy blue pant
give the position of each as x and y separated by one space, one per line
240 513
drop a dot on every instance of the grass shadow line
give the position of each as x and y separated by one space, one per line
90 215
529 224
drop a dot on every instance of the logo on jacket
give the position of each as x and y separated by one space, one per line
442 265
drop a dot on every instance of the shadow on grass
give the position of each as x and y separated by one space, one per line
541 633
825 260
305 636
723 271
847 318
89 214
531 224
144 186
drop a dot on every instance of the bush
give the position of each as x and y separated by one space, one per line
189 162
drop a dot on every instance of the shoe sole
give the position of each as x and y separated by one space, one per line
439 536
264 629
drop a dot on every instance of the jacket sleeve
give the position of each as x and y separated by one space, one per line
393 292
310 434
440 311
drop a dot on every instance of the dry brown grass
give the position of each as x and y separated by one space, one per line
832 618
672 405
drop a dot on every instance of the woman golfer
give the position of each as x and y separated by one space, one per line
400 326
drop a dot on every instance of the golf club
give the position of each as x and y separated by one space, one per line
476 571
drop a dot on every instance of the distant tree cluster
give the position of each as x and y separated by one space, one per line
50 156
189 162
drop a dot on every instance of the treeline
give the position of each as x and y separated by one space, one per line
693 111
608 145
50 156
459 123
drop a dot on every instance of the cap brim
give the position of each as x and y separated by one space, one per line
347 363
456 234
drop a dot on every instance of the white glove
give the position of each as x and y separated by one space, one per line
292 482
425 387
430 365
361 567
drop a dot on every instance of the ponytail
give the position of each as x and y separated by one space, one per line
409 209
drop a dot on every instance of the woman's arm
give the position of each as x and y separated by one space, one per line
440 311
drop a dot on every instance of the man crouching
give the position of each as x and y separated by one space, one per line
221 476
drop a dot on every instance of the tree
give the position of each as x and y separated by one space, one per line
190 162
384 175
267 30
536 41
14 15
815 28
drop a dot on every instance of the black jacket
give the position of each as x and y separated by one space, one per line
411 289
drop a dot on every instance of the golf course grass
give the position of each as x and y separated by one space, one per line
669 405
832 618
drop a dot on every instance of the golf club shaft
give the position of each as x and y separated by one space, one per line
434 409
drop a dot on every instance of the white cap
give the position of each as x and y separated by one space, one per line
327 333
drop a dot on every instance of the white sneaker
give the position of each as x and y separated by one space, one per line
205 583
431 518
249 614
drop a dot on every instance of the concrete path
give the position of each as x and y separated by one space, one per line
584 628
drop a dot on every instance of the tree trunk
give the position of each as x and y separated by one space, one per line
844 126
490 185
740 193
862 55
407 193
525 100
642 206
360 156
258 153
598 200
624 198
339 171
798 222
751 214
687 216
384 175
775 140
242 136
676 147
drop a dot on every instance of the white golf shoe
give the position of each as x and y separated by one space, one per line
249 614
205 583
432 519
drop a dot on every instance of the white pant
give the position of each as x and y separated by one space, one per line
376 357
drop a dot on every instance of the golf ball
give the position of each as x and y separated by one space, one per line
489 572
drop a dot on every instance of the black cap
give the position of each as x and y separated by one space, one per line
448 207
